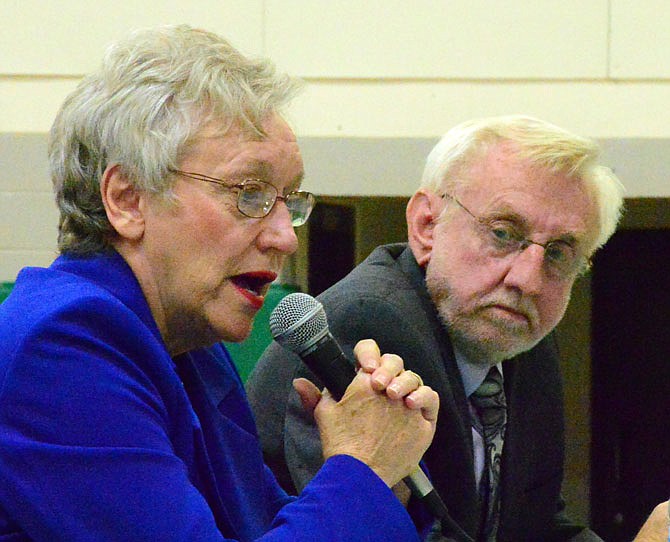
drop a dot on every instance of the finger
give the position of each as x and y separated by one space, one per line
309 394
368 355
403 384
391 366
425 399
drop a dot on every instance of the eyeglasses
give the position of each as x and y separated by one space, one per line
500 238
256 198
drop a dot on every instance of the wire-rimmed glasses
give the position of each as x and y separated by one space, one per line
500 238
256 198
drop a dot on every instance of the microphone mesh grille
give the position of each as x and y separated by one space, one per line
297 320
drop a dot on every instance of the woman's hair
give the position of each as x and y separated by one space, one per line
153 94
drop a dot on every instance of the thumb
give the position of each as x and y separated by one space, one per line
309 394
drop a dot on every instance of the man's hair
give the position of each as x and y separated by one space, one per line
543 144
152 95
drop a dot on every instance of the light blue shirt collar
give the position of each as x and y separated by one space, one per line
472 374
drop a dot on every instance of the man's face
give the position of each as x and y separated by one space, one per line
499 306
207 266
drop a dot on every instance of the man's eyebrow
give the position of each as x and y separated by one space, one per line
572 238
505 212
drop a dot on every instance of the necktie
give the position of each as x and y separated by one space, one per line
489 403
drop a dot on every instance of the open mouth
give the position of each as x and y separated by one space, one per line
254 285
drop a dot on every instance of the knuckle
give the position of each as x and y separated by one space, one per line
366 343
393 359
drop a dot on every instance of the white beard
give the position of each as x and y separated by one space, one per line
483 338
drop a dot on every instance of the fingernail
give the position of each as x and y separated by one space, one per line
394 388
382 380
370 364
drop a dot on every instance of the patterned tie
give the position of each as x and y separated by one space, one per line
489 403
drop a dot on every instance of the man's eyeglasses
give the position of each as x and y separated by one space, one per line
500 238
256 198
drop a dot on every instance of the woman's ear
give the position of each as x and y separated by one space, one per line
421 217
123 202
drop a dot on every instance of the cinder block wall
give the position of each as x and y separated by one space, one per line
378 71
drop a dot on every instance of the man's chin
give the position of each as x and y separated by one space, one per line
492 345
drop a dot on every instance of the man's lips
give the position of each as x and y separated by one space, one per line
511 311
254 285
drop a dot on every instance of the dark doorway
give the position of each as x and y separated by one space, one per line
331 253
630 459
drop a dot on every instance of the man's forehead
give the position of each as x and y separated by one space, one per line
502 170
504 182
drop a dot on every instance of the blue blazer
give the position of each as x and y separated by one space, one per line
105 437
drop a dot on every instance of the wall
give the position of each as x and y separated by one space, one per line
384 79
381 68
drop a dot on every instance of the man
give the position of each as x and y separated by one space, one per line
121 414
508 214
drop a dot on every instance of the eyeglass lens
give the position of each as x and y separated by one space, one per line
256 199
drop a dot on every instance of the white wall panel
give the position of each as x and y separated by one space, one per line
640 39
23 163
12 261
68 37
29 104
413 109
28 220
439 38
425 109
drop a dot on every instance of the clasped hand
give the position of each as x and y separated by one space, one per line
386 417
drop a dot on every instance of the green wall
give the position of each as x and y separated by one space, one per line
246 354
5 288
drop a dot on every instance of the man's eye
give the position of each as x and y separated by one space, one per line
559 252
503 233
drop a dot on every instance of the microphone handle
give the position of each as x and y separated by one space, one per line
337 372
327 361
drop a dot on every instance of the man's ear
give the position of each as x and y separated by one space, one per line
123 203
420 225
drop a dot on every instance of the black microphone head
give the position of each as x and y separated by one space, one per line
298 321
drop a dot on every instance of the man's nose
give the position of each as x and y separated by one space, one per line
526 270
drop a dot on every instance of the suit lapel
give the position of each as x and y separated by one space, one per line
450 457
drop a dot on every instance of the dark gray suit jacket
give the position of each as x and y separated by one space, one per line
384 298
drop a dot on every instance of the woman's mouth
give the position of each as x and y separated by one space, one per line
254 285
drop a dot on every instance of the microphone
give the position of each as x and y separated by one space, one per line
299 324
